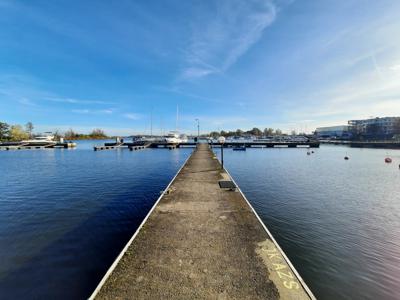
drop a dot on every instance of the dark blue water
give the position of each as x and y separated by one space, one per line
66 214
338 221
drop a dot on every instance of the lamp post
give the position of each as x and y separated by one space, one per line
221 140
198 129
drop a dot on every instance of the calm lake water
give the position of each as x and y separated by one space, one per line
338 221
66 214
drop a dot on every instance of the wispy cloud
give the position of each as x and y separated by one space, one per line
92 111
122 131
180 91
395 67
132 116
76 101
360 97
26 101
214 121
217 42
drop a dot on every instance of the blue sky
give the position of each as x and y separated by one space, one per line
232 64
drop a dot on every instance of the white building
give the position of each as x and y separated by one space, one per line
341 131
386 124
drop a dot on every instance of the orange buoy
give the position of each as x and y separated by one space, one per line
388 160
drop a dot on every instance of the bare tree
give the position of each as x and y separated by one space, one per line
29 128
4 131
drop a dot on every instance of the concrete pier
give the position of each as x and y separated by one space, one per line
201 241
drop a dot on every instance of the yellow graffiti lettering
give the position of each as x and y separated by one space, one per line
273 255
288 275
279 267
291 285
268 250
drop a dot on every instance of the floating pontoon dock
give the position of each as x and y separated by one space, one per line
202 240
251 144
30 146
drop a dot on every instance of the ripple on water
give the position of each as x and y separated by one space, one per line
65 215
337 220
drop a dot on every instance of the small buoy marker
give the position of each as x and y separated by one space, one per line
388 160
346 158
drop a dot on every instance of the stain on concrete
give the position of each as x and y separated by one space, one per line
200 242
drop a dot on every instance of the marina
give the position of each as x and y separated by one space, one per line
228 144
200 150
193 240
93 202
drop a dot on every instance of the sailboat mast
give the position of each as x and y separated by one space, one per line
151 123
177 117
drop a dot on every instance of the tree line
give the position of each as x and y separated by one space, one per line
95 134
15 132
18 133
253 132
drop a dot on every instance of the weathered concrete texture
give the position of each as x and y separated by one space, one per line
202 242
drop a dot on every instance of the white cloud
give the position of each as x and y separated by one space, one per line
121 131
76 101
360 97
219 41
26 101
132 116
92 111
395 67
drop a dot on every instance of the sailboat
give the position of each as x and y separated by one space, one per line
173 137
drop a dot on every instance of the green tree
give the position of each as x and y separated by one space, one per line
214 134
255 131
223 133
4 131
239 132
17 133
29 128
278 132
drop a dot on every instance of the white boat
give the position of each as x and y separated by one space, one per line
183 138
41 140
173 138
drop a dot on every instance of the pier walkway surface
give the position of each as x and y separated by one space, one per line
202 242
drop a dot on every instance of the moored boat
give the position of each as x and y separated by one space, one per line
239 148
40 141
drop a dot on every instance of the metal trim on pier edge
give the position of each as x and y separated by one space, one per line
116 261
306 288
250 265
